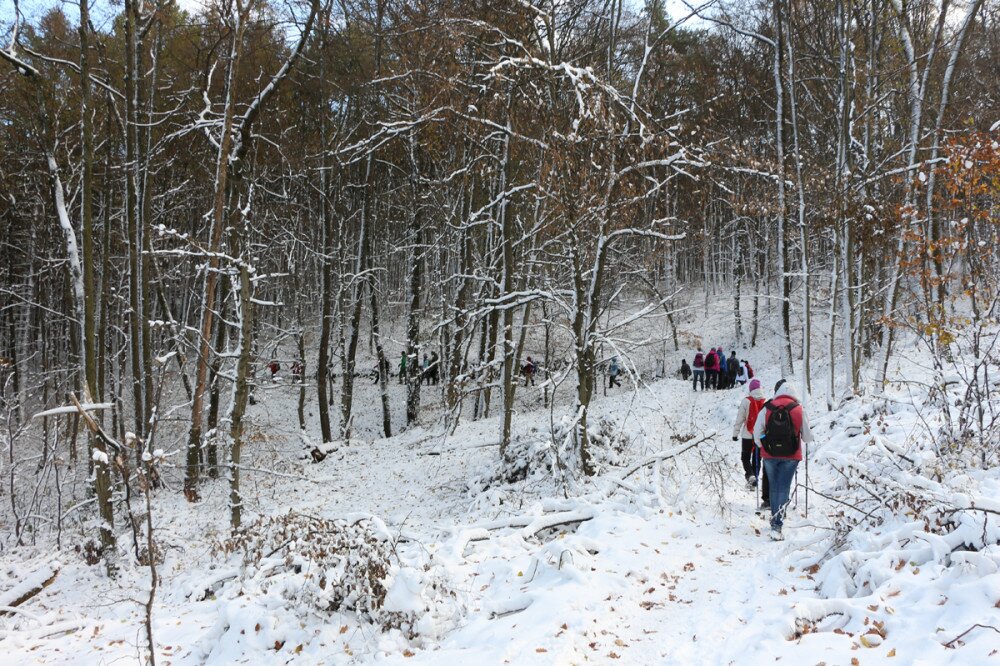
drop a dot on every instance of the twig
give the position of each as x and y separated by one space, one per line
950 643
665 455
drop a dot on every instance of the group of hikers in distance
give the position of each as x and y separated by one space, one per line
715 371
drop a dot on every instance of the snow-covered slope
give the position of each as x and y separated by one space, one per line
668 565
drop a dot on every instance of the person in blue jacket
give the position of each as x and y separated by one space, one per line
722 370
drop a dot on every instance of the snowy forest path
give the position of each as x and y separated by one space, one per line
690 579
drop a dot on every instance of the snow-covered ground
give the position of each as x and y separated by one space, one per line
664 564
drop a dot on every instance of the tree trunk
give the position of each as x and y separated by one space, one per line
211 275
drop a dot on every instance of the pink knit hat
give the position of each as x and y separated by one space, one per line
754 384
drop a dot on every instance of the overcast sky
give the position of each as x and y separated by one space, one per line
103 11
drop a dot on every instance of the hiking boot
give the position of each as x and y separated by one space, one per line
765 505
776 534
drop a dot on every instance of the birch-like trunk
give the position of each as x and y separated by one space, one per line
211 274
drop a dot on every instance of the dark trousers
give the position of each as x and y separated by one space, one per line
750 457
747 458
765 485
712 379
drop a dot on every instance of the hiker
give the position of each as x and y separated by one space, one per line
699 370
741 375
274 367
779 434
746 418
528 370
613 372
378 370
402 366
435 368
723 370
746 364
712 369
733 368
297 371
686 370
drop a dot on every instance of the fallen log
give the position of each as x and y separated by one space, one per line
28 588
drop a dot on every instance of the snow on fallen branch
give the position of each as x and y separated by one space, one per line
71 409
28 588
665 455
542 523
530 525
64 627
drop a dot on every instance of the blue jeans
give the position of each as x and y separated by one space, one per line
780 474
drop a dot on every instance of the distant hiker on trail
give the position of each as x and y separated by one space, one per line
297 371
376 375
435 368
402 366
425 375
528 370
274 367
699 370
732 368
746 419
686 370
780 433
741 375
712 369
613 371
746 364
723 370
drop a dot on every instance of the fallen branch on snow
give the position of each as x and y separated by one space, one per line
951 643
73 409
665 455
28 588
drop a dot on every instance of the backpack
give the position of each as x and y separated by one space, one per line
749 371
711 361
752 411
699 360
780 439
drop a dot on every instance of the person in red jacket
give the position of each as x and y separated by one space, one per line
712 369
746 419
699 369
779 433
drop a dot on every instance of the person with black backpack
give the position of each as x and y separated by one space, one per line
779 435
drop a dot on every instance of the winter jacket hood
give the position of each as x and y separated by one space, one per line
788 389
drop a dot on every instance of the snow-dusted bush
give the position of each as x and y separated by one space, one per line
331 565
915 486
555 456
